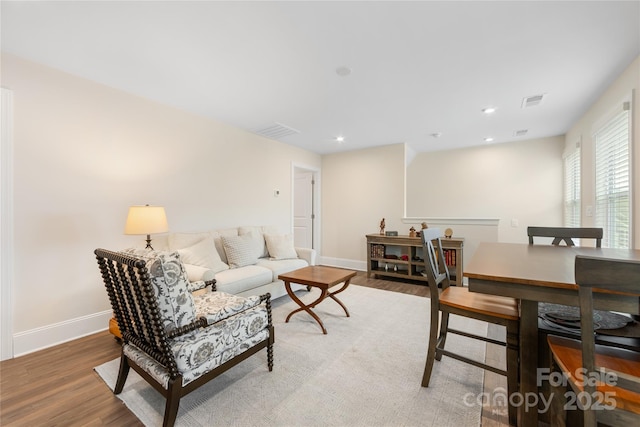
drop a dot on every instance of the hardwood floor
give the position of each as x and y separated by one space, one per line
58 386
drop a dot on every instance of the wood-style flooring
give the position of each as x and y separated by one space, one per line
58 386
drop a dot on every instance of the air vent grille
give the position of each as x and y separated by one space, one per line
532 101
521 132
276 131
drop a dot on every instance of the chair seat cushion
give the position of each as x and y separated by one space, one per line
214 344
161 374
460 297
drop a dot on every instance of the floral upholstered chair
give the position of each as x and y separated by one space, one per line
177 341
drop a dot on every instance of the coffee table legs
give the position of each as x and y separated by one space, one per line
332 295
307 307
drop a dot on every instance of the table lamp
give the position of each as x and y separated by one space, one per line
146 220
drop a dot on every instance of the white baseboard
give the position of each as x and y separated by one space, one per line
344 263
58 333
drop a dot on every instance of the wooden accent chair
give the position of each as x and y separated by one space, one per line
458 300
619 369
566 234
174 340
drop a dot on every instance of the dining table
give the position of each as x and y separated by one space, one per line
533 274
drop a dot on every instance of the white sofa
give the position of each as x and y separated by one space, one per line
243 260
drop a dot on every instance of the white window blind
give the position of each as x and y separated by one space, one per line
572 189
613 184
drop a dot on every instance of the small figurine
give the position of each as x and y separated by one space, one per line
412 232
424 225
382 225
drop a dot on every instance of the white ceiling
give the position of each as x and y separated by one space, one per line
418 68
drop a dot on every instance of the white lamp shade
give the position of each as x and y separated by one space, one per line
146 220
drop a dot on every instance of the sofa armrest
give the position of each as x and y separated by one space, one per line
307 254
195 273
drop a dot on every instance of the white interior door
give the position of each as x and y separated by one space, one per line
303 215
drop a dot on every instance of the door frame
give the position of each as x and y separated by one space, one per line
6 224
297 167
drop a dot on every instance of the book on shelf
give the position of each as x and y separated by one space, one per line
450 257
377 251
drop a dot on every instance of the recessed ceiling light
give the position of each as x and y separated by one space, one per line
343 71
340 138
488 139
489 110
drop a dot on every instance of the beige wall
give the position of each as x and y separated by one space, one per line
519 181
359 188
626 85
84 152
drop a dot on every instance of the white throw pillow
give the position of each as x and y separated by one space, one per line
203 254
240 250
280 246
184 240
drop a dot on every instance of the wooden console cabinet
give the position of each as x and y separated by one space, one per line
401 257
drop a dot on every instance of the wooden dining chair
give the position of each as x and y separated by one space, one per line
458 300
614 399
566 234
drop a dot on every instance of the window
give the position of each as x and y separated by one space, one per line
572 188
613 183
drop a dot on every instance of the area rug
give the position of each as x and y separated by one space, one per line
365 372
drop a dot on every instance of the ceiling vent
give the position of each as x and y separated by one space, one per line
521 132
276 131
532 101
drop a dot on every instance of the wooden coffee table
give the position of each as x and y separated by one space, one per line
321 277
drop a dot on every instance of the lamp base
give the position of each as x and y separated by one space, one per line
149 242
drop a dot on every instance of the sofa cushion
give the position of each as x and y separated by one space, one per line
281 266
171 285
280 246
202 253
241 250
259 232
236 280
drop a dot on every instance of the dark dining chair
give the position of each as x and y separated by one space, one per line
566 234
552 318
458 300
615 398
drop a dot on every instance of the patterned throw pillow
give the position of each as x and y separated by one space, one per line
170 283
241 250
259 232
